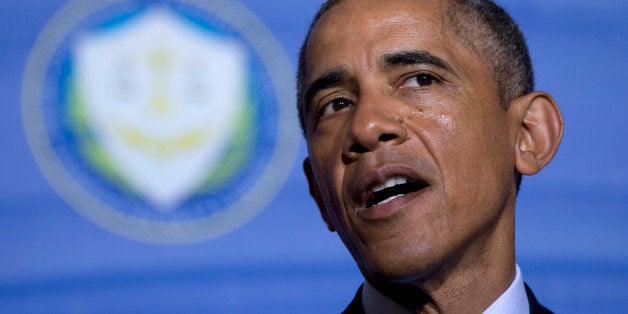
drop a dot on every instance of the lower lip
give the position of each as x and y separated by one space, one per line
389 209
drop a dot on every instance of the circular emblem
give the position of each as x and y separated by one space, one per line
162 121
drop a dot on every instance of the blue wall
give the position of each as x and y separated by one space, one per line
572 218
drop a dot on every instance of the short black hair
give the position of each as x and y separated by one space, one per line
482 25
495 37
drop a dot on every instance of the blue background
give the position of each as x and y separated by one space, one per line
572 222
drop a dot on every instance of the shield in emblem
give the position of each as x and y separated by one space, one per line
162 99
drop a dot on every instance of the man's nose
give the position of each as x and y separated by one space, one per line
376 122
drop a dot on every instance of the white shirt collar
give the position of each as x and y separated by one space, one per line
514 300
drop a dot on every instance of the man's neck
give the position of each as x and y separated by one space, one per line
467 283
513 300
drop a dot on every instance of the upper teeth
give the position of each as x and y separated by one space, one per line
397 180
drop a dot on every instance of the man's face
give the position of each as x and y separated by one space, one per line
411 156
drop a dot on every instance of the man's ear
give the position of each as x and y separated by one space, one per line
316 194
538 127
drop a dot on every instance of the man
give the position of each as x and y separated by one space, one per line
420 118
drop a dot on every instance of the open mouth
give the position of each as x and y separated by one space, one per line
391 189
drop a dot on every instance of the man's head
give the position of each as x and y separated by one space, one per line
416 134
482 25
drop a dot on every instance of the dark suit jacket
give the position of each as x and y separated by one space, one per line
355 307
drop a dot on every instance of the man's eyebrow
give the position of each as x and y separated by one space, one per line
415 57
326 80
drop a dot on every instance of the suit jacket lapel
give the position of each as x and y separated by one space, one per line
355 307
535 306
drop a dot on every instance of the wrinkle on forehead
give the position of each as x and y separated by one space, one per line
376 19
353 37
388 13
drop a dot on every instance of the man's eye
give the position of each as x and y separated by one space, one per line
420 80
334 106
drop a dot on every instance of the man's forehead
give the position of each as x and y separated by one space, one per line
374 13
379 27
